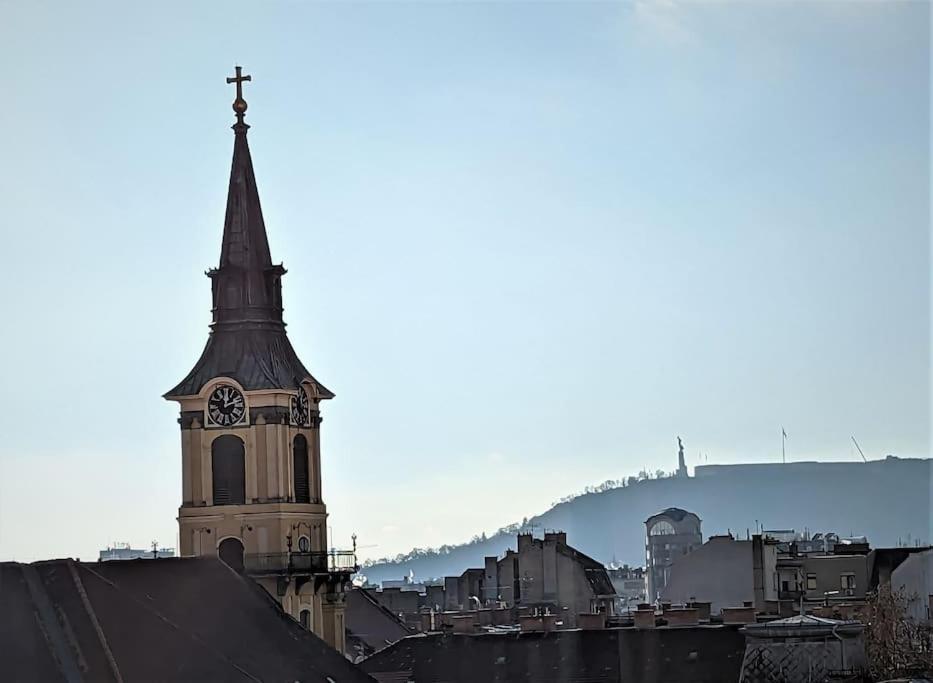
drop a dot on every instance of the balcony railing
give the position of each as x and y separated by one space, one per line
334 561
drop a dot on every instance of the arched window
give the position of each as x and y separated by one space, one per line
228 470
231 552
300 454
662 528
304 545
304 616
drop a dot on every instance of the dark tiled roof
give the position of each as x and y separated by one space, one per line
170 619
257 359
24 650
685 654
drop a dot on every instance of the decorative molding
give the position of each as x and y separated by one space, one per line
189 417
269 414
301 516
194 419
189 519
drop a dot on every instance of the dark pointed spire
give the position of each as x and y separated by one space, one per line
247 286
245 244
248 341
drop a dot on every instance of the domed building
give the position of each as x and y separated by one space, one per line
669 534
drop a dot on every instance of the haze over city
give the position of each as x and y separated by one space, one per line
529 246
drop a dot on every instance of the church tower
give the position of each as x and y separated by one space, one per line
250 427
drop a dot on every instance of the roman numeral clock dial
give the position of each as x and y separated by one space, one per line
226 405
300 408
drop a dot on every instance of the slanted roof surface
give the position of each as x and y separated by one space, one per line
685 655
803 626
595 572
372 623
161 619
256 358
805 620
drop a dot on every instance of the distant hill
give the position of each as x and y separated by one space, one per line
889 501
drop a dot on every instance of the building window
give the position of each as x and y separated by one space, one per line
304 617
228 470
516 581
662 528
300 455
847 581
811 582
304 545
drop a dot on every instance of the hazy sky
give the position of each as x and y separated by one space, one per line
528 245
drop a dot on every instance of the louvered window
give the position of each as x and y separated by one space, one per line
228 470
300 454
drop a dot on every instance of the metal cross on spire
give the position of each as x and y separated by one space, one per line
239 104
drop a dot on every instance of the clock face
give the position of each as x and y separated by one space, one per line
226 405
300 410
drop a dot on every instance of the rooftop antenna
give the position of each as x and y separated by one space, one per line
864 459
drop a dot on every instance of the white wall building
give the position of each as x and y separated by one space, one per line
915 577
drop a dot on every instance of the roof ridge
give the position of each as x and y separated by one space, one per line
95 624
49 624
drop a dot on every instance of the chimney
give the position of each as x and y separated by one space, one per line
556 537
524 541
491 583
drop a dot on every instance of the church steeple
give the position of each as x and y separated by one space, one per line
250 419
245 244
248 341
247 288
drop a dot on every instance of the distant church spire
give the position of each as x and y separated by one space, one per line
681 463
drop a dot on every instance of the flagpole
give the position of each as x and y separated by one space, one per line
783 446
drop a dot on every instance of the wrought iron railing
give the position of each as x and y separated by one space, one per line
301 563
